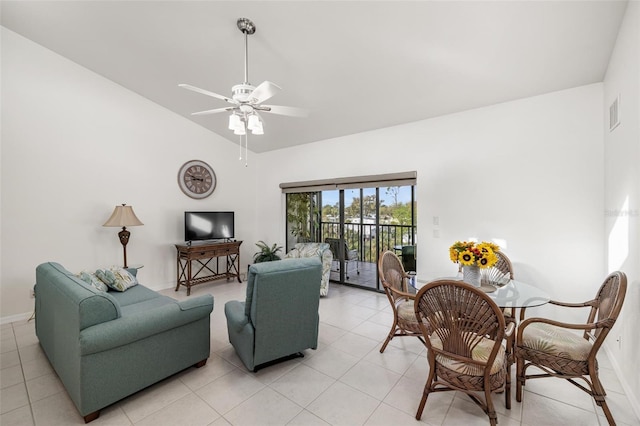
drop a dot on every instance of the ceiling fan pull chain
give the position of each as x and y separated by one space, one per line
246 152
240 159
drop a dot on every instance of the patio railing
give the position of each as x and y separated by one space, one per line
364 237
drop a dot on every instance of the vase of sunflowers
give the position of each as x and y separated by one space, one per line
472 257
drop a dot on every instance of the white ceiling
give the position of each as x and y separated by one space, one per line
357 65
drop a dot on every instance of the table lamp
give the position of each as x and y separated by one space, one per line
123 216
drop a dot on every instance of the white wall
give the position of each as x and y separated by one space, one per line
622 193
528 172
74 145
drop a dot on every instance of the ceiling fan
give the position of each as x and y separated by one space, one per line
246 100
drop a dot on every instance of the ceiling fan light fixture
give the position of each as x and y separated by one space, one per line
253 122
258 130
239 131
234 122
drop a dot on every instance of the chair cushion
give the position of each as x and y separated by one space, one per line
481 353
556 341
406 311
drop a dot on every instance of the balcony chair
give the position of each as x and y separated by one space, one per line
463 329
320 250
395 283
350 256
556 349
409 258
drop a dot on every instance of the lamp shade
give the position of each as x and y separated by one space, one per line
123 216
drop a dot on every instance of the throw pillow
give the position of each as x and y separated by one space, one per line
117 279
91 279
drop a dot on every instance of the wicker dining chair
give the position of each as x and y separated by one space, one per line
464 330
501 272
394 281
556 349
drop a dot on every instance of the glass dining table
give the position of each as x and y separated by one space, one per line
508 294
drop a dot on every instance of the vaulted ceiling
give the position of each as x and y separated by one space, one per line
355 65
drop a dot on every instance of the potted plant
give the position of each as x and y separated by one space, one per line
266 253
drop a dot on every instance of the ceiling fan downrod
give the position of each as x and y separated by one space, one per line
247 27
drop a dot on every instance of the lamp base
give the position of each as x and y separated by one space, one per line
124 239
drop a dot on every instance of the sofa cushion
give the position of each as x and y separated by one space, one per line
117 279
91 279
134 295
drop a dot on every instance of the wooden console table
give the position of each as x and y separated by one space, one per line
196 264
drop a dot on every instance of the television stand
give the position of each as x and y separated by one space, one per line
199 262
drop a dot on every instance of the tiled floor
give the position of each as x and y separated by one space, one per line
346 381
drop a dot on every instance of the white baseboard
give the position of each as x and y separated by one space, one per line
14 318
633 398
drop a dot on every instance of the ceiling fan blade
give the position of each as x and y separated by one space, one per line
206 92
284 110
264 91
213 111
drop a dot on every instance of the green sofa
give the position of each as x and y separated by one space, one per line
279 317
105 346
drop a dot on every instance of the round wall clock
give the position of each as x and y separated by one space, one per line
196 179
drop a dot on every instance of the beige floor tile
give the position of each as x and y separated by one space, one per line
328 334
341 404
371 379
306 418
540 410
18 417
621 409
152 399
11 375
302 384
8 345
44 386
372 330
355 345
216 367
229 391
392 358
56 410
13 397
31 352
37 367
465 412
386 415
188 410
266 407
406 397
332 362
9 359
558 389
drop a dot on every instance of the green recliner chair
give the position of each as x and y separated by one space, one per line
279 318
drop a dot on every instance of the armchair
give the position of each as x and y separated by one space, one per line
321 250
394 280
279 317
556 349
464 329
350 255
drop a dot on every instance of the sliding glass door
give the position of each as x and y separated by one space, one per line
359 224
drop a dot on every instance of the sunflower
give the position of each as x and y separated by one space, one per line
471 254
453 254
467 258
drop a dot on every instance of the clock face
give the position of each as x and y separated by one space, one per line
197 179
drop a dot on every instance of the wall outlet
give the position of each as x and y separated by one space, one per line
32 293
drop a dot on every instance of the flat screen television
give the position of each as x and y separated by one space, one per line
208 226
